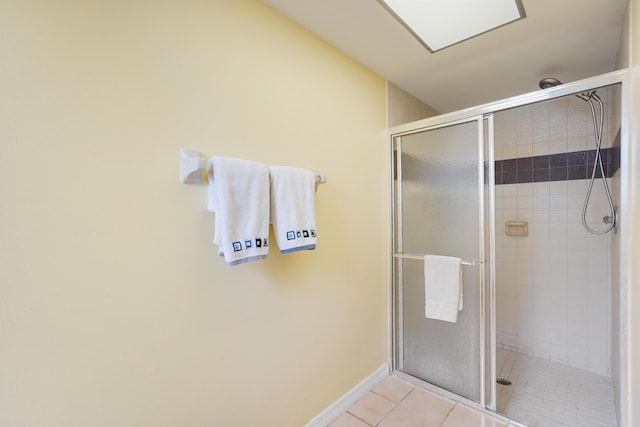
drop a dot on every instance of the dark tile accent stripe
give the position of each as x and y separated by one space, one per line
556 167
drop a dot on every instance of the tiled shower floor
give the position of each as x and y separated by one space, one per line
550 394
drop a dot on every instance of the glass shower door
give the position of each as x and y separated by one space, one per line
439 203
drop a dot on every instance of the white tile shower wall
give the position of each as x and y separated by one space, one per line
553 286
551 127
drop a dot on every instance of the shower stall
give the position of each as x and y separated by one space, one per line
525 192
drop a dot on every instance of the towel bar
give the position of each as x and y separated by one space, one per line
421 257
193 165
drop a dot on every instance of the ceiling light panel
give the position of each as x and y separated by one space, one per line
441 23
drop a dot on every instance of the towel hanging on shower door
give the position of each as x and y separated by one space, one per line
442 287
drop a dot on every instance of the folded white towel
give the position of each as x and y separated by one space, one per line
239 196
292 208
442 287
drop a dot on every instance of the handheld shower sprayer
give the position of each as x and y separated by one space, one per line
588 97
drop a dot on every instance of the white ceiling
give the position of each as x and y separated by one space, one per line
566 39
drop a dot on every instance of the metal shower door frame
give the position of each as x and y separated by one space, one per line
397 244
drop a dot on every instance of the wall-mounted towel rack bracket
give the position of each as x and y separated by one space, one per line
193 166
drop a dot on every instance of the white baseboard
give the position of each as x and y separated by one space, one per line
349 398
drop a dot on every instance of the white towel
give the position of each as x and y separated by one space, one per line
239 196
292 208
442 287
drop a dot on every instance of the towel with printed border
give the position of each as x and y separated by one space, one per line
292 208
239 196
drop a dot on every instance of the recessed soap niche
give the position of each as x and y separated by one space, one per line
517 228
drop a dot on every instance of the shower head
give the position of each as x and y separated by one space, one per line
549 82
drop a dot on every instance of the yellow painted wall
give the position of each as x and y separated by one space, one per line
114 307
402 107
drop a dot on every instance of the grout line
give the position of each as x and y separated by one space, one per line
448 414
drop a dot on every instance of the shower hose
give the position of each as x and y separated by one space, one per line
597 126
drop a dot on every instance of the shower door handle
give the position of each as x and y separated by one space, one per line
421 257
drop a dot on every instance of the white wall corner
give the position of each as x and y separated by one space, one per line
334 410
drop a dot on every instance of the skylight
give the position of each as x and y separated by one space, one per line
441 23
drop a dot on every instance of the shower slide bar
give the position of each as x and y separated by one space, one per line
421 258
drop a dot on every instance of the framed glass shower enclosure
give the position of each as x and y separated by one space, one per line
443 203
443 181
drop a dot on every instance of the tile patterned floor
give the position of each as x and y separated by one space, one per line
550 394
542 394
397 403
